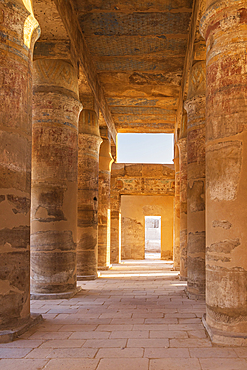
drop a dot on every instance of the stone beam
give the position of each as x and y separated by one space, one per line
187 62
69 18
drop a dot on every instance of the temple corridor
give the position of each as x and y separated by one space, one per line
135 316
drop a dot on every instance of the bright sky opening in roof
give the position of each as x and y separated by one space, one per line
145 148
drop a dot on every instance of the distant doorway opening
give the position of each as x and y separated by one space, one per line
152 237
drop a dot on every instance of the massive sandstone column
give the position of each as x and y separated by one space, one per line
195 107
18 30
56 111
88 179
115 222
182 145
224 27
104 212
176 238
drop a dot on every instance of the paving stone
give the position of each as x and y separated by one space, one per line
102 343
22 364
72 353
168 334
190 343
241 351
223 364
130 334
197 334
114 327
163 343
166 352
175 364
50 335
212 352
120 352
66 343
118 321
78 327
150 327
22 343
72 364
90 335
39 353
123 364
14 352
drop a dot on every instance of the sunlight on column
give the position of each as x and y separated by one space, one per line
30 25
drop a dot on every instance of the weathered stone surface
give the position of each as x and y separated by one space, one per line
137 179
195 107
88 182
182 145
176 227
54 177
132 238
224 27
68 16
18 30
134 208
104 208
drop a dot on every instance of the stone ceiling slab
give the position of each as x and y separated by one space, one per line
138 49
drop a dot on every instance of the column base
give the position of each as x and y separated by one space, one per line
197 297
48 296
7 336
183 278
104 268
225 338
87 277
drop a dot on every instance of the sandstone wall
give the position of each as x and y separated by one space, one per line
133 210
142 181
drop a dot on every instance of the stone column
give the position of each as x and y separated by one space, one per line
88 180
56 111
115 229
224 27
195 107
182 145
18 30
176 238
104 212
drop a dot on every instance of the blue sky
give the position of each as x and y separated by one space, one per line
145 148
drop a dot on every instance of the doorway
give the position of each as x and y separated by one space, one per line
152 237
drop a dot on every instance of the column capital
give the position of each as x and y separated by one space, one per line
223 15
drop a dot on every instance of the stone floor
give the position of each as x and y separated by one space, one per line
134 317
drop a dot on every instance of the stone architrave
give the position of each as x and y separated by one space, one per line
195 107
56 111
224 26
104 212
88 181
19 30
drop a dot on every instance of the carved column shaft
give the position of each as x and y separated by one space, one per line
56 111
224 27
115 222
176 239
18 30
88 181
104 213
182 143
195 107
